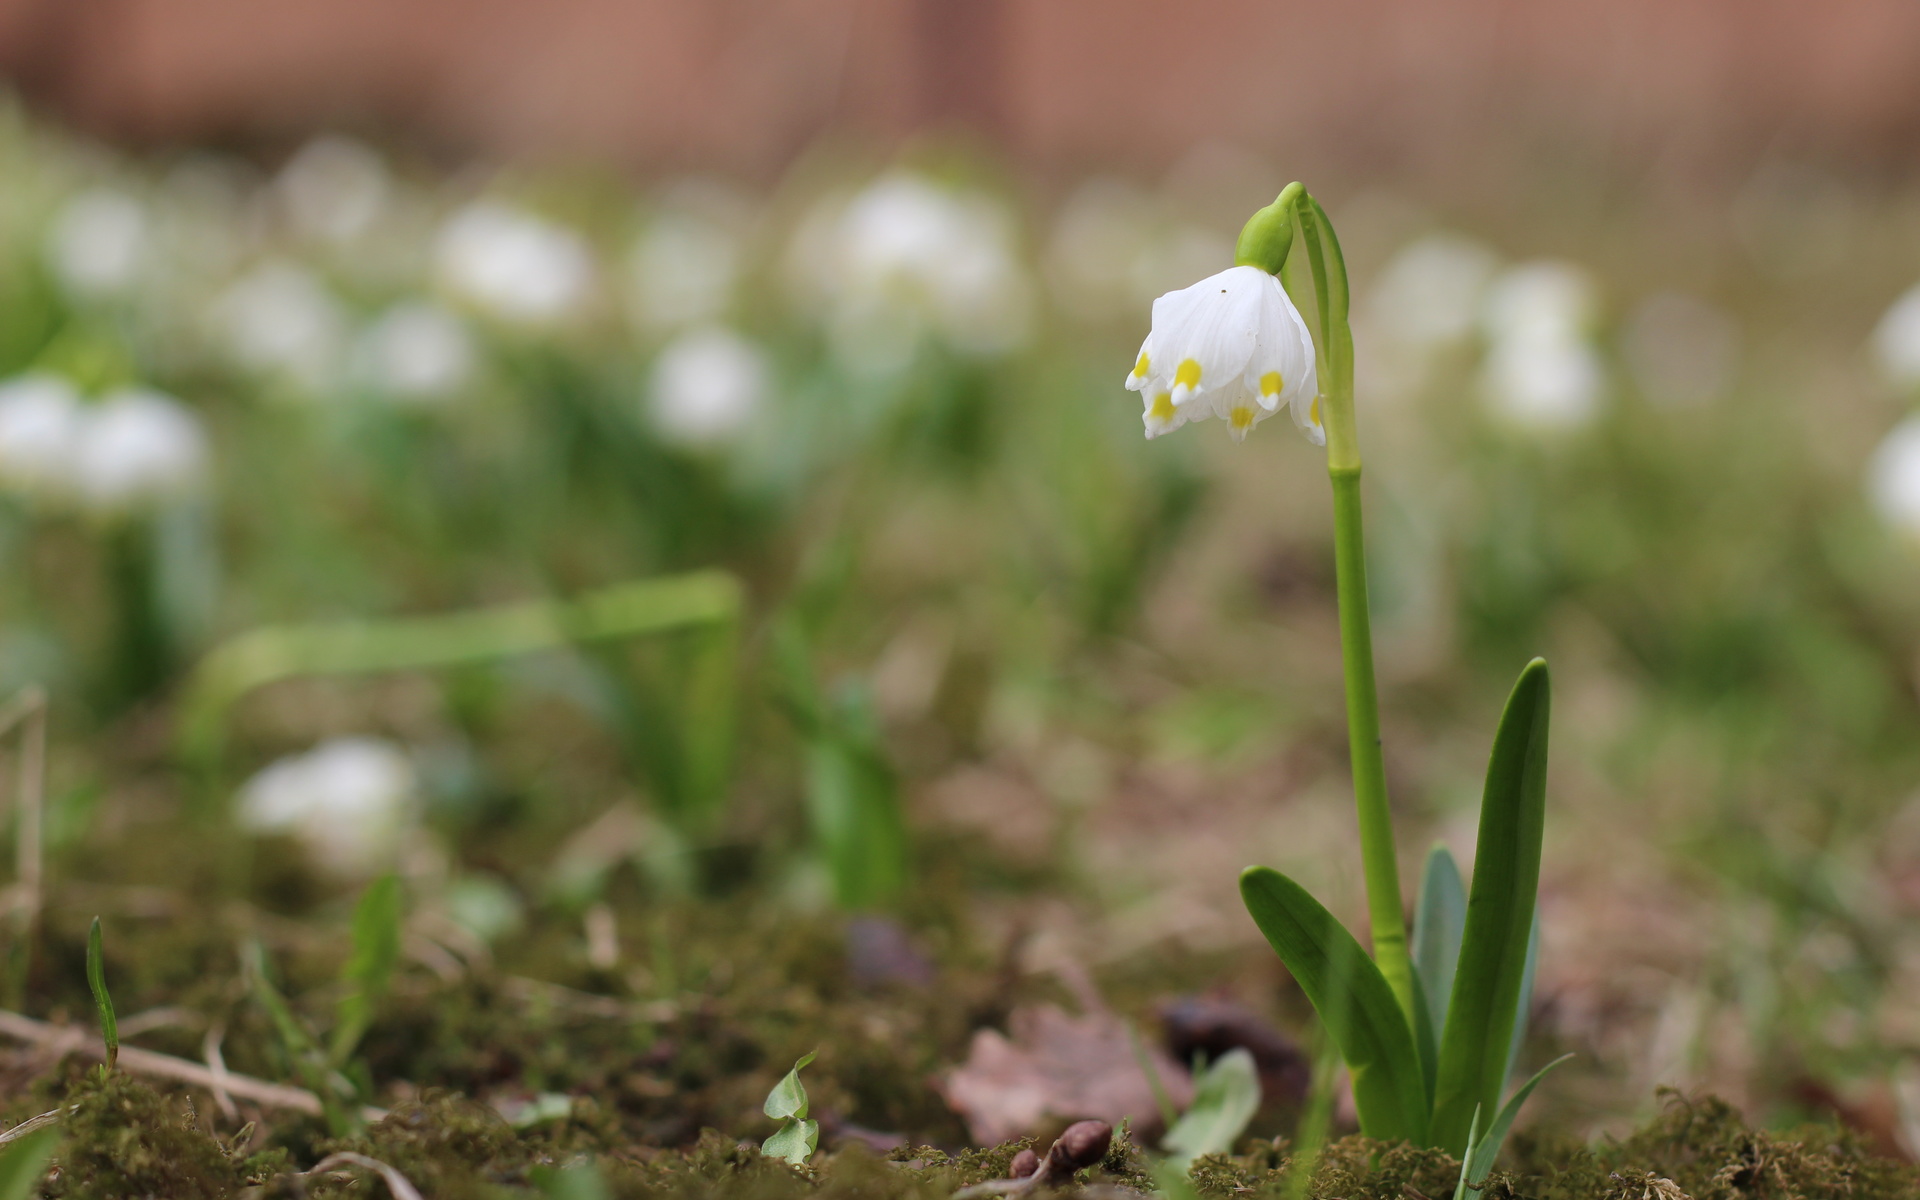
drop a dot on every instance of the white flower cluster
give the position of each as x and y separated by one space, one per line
132 449
907 258
349 801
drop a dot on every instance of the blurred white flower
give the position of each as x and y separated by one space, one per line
515 265
416 352
683 270
333 189
1545 297
98 243
1429 294
1542 372
905 256
1896 340
40 425
1231 346
138 447
349 801
1893 478
280 319
1543 382
1682 351
707 386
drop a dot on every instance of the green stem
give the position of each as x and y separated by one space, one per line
1377 853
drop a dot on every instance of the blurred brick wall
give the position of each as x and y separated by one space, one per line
743 84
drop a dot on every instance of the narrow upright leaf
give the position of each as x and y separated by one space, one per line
376 951
1353 1000
1225 1096
102 1001
1493 952
1439 921
789 1097
1486 1147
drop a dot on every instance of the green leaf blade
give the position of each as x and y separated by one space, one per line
1225 1097
1353 1000
24 1160
795 1142
369 971
1481 1013
1439 923
1486 1147
102 999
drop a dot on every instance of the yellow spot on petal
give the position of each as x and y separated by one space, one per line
1313 413
1242 418
1188 373
1162 409
1271 383
1140 368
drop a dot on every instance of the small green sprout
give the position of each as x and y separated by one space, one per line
376 952
1226 1094
102 1002
797 1138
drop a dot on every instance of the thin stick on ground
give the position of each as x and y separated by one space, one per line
67 1040
397 1183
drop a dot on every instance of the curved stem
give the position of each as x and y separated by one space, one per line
1377 852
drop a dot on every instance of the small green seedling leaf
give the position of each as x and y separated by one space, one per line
1474 1049
102 1001
24 1160
788 1099
795 1142
1354 1002
1225 1096
1485 1148
1466 1159
575 1181
376 952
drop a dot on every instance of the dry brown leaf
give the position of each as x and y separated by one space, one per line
1057 1067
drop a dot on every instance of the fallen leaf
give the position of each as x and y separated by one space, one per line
1056 1067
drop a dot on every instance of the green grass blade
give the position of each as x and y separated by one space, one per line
102 1001
1225 1097
376 952
1460 1191
1439 921
1353 1000
1493 952
24 1160
1486 1148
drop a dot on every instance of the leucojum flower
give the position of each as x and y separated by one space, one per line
1429 1025
1232 346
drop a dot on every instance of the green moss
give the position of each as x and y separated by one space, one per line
121 1138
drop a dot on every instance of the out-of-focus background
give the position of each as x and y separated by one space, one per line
353 311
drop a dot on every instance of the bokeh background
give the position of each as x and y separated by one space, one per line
315 312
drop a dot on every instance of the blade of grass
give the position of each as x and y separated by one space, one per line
102 1001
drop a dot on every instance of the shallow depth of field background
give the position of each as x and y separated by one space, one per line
451 305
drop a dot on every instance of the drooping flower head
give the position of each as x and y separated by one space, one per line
1232 346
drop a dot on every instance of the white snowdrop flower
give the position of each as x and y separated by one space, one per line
40 420
1893 478
1544 381
1541 371
138 447
98 243
1231 346
416 352
1544 297
683 270
1429 294
707 386
516 266
906 256
1896 340
333 189
349 801
280 319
